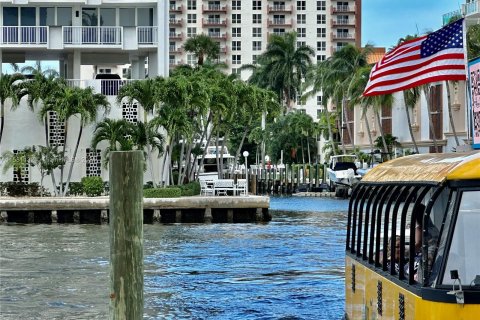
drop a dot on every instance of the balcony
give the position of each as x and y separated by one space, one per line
147 35
92 35
223 49
175 22
279 8
175 36
24 35
343 9
214 8
176 9
279 23
106 87
214 22
218 35
175 49
172 63
343 36
343 23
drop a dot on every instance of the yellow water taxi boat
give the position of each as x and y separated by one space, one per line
413 240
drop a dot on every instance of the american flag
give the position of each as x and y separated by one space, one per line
435 57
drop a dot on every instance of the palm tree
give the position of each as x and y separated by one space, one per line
284 66
203 47
8 89
17 160
411 97
146 93
84 104
116 132
46 159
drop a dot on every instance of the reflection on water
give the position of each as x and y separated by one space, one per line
290 268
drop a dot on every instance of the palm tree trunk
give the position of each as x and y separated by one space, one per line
2 121
237 154
367 126
209 138
349 130
221 152
430 120
330 132
47 144
73 159
450 116
195 158
382 134
308 150
182 151
217 156
63 154
409 120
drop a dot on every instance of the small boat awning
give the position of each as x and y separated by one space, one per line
428 168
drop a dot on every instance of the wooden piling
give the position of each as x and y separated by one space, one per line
126 235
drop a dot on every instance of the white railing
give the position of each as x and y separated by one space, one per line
471 8
23 35
92 35
446 17
104 86
147 35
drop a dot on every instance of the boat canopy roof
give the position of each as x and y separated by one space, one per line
428 168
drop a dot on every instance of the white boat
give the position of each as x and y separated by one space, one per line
210 168
342 174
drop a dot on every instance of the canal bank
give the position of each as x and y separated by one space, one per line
85 210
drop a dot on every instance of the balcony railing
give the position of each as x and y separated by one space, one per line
175 49
279 8
24 35
343 9
471 8
279 22
343 22
175 8
214 8
175 35
106 87
217 35
175 22
214 22
343 36
147 35
92 35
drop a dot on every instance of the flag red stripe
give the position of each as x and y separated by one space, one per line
403 45
383 73
417 74
386 61
417 83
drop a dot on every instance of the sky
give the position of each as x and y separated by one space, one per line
386 21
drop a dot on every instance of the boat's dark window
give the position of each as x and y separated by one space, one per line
463 255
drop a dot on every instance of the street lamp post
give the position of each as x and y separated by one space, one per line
245 154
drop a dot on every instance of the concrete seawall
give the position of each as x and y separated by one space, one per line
198 209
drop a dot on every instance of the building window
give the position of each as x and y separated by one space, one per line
236 59
321 18
321 57
257 32
301 18
191 18
236 71
257 18
191 31
94 162
301 32
236 18
236 32
191 59
319 101
257 45
321 5
254 58
130 112
192 4
257 5
279 31
236 5
301 5
321 45
56 130
301 44
236 45
321 32
279 19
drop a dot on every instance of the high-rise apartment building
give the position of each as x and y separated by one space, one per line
242 28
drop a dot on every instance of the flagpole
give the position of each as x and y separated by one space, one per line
467 81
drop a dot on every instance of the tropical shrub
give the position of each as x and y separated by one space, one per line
92 186
171 192
21 189
75 188
190 189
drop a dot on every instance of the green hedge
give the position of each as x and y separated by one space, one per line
171 192
92 186
21 189
190 189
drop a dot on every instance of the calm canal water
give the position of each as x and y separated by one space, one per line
289 268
